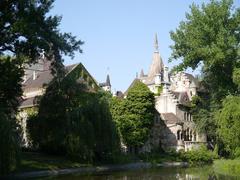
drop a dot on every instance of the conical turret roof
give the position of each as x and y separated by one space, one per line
157 64
108 80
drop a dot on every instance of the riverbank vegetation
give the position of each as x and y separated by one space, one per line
194 157
227 167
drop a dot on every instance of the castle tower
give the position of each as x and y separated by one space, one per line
106 85
157 64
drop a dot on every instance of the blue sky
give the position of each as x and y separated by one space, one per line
119 34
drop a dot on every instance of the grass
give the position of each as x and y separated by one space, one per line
37 161
227 167
160 157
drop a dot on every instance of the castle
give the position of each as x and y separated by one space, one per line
173 124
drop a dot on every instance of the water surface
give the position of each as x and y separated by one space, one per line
201 173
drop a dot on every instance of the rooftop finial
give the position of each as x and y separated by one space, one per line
156 43
108 80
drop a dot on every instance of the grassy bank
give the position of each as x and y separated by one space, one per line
37 161
227 167
194 157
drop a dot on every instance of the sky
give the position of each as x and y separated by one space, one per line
118 35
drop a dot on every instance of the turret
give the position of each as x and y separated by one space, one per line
157 64
157 79
166 75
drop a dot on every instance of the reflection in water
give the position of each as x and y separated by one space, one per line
200 173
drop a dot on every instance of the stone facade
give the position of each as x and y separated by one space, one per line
174 128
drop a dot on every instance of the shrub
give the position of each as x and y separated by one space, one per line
236 153
199 156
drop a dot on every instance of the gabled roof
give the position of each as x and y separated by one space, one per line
131 85
182 97
44 78
29 102
194 81
170 118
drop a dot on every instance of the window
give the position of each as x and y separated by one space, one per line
178 134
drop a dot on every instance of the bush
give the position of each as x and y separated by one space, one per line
199 156
9 150
236 153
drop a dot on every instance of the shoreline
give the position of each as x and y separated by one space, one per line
94 170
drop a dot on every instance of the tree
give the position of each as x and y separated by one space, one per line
228 121
74 122
9 92
27 31
210 35
210 38
134 115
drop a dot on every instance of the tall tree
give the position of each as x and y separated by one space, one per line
27 31
74 122
228 121
10 89
210 38
134 115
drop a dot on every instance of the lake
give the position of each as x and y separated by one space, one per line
201 173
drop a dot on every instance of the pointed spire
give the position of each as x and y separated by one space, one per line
108 81
156 43
141 73
157 64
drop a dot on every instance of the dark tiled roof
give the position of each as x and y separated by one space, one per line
102 84
30 102
182 97
42 78
170 118
192 79
119 94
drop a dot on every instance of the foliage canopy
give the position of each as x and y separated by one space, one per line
134 115
27 31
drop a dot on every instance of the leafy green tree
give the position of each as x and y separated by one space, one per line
9 92
228 121
27 31
210 35
134 115
210 38
74 122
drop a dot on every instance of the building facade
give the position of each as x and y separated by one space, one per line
174 127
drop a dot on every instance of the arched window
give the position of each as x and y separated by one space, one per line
190 135
178 134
